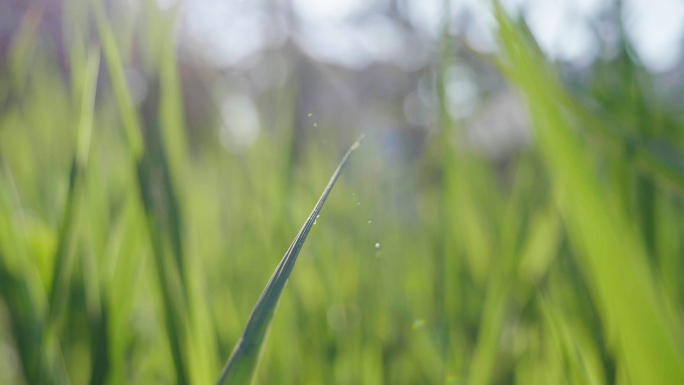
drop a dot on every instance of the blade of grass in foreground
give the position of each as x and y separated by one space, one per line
614 258
242 362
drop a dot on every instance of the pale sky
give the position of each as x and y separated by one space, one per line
333 31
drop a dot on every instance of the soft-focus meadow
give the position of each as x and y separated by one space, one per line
527 232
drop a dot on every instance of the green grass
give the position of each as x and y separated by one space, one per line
611 253
133 249
242 361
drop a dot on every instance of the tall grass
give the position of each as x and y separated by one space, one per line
609 250
133 251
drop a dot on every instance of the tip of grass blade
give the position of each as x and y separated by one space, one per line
242 362
357 142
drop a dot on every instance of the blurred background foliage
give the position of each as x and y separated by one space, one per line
512 216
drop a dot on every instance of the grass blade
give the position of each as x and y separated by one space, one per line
656 158
21 291
63 258
118 78
147 161
242 362
611 254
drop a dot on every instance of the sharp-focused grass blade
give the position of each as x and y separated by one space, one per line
242 362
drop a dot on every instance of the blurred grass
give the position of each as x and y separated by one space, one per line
127 256
610 251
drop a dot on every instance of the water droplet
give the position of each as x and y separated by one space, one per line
310 114
418 324
358 203
318 216
314 221
369 222
377 245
